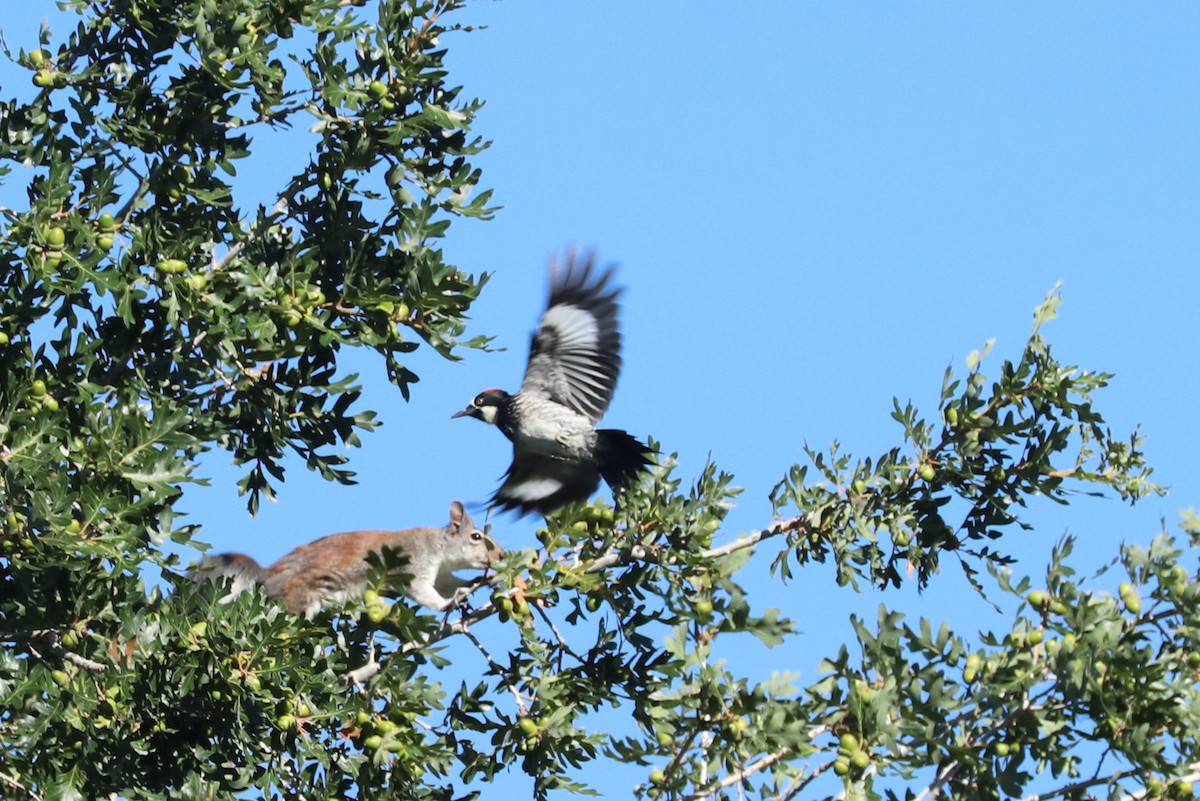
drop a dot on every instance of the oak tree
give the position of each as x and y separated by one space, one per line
153 308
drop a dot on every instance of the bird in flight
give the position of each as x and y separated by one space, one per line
559 456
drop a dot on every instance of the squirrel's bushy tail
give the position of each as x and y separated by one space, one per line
240 571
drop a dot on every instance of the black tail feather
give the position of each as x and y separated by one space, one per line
620 457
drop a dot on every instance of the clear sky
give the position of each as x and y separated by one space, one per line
815 207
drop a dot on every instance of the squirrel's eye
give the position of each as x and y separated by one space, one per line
475 535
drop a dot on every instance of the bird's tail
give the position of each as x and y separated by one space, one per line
620 457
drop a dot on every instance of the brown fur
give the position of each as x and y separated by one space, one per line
337 567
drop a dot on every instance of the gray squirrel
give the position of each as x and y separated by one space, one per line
336 568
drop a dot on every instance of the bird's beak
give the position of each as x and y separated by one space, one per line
470 411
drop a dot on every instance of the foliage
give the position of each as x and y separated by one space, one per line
153 307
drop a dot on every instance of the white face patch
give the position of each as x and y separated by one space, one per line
576 329
488 413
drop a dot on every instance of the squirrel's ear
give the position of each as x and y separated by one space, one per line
456 516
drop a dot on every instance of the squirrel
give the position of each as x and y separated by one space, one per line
335 568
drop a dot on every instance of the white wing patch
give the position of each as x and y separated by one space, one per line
575 355
574 336
575 328
530 490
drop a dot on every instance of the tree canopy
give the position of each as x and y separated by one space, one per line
154 309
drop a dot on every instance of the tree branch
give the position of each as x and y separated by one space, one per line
613 558
798 523
448 627
637 553
49 640
945 773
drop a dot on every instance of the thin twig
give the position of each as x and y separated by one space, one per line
798 783
361 675
449 627
755 767
947 772
439 8
279 210
143 187
737 778
486 655
11 782
557 634
1123 774
522 707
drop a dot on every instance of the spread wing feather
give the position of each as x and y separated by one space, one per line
575 355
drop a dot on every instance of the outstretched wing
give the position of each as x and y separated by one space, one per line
575 356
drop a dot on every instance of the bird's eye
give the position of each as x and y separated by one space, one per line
479 400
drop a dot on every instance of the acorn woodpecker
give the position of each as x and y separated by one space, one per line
574 359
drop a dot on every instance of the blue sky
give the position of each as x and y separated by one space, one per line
815 207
